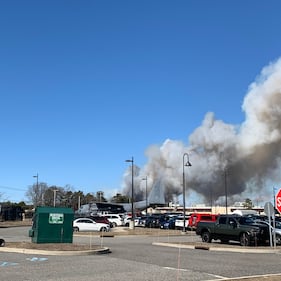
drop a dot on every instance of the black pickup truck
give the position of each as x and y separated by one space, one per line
233 227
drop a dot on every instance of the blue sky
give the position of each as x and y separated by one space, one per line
86 85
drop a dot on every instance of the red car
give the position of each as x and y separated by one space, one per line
196 217
101 220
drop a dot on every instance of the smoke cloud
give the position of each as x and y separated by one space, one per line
244 157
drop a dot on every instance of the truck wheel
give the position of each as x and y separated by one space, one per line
75 229
244 239
206 237
2 242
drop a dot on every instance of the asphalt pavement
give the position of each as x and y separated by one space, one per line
158 238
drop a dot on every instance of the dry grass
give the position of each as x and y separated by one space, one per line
27 222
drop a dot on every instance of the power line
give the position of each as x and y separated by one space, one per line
12 188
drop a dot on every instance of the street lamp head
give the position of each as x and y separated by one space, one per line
130 160
187 164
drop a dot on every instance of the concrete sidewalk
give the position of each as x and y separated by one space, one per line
219 247
104 250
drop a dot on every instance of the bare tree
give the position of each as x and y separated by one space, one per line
35 193
44 195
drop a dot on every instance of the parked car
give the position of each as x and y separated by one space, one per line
276 229
86 224
137 221
233 227
179 222
140 221
195 218
169 224
155 221
115 219
101 219
278 232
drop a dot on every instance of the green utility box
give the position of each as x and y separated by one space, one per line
52 225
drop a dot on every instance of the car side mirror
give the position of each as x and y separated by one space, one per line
233 224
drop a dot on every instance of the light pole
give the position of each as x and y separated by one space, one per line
79 202
225 187
145 179
274 194
55 192
37 185
132 197
184 164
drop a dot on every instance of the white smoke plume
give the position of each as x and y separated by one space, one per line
246 155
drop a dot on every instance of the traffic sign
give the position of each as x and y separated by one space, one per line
278 200
269 209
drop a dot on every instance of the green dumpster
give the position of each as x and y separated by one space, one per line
52 225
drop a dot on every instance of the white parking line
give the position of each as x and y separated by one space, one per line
188 270
217 276
243 277
173 268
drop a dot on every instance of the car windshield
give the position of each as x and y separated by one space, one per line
278 224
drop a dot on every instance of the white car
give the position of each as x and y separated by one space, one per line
115 219
85 224
277 229
179 222
127 220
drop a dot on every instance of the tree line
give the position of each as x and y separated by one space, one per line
43 195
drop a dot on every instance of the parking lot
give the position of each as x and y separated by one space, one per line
150 254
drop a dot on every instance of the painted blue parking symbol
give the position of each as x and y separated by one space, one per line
35 259
5 263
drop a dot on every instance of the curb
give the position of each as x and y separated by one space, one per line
218 249
106 235
55 253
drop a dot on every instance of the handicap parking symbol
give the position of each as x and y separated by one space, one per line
35 259
5 263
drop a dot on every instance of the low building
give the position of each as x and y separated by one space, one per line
11 213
